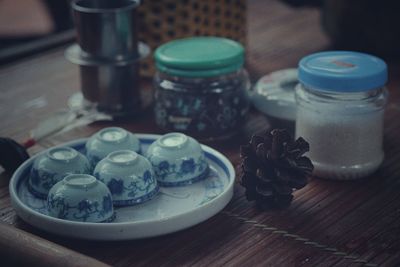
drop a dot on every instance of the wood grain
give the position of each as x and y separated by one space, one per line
18 247
329 223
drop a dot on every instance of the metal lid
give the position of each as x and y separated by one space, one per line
342 71
96 7
76 55
199 57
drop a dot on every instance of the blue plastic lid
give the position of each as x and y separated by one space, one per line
342 71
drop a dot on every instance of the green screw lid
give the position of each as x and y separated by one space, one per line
199 57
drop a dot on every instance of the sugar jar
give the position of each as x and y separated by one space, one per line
201 87
340 110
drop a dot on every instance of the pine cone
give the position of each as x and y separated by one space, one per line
273 166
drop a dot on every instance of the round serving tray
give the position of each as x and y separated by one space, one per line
173 209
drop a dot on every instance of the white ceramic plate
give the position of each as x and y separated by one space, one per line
171 210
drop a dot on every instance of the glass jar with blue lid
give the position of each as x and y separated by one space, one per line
201 87
340 111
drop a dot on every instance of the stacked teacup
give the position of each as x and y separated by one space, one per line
108 53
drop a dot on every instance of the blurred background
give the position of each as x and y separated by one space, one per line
361 25
27 20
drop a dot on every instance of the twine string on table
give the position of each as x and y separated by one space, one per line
304 240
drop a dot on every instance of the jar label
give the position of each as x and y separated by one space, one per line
180 120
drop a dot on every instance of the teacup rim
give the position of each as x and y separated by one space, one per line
67 180
184 143
126 163
121 130
70 149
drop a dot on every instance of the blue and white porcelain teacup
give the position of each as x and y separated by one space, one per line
177 160
80 197
109 140
129 176
53 166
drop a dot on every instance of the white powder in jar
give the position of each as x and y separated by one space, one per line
340 105
342 146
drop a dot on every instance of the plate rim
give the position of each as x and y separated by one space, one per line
20 206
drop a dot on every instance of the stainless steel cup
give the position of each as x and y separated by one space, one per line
114 86
107 28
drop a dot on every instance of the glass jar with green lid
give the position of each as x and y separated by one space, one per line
201 87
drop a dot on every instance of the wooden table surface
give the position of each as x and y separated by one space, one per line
328 224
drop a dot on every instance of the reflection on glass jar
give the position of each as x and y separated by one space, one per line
341 100
201 87
213 107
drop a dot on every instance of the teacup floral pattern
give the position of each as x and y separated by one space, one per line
52 166
93 159
137 190
164 170
42 180
169 204
85 210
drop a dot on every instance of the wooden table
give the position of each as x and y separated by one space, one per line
329 223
